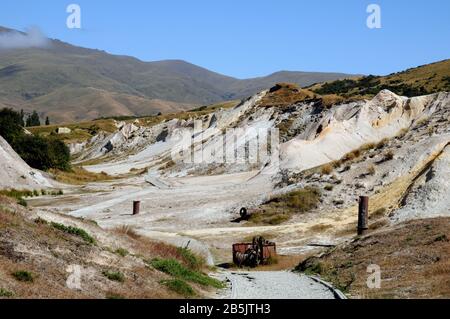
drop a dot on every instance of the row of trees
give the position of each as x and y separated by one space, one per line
32 119
39 152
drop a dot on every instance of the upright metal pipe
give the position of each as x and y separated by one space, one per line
136 207
363 215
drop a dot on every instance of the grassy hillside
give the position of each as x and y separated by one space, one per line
426 79
70 83
36 256
413 258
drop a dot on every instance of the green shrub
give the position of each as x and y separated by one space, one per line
121 252
38 152
179 286
193 261
17 194
174 268
41 221
74 231
5 293
11 124
42 153
23 275
114 275
22 202
111 295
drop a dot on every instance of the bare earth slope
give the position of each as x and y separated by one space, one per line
15 173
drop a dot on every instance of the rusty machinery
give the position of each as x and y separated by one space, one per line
258 252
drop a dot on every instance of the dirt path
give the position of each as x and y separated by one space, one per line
272 285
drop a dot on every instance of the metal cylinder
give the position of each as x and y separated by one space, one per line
363 215
243 212
136 207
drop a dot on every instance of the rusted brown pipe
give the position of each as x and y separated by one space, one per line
136 207
363 215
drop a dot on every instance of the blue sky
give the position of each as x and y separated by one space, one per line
249 38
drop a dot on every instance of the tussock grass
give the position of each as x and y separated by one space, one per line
174 268
286 94
127 231
6 293
327 169
23 275
371 170
179 286
192 261
408 252
114 275
79 176
281 208
121 252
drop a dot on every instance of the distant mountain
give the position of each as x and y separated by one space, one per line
70 83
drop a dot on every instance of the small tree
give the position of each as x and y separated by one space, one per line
22 116
10 124
33 119
47 121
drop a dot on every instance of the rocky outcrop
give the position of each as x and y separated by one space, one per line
347 127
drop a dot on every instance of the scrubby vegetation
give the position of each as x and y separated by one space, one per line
396 251
422 80
286 94
39 152
176 269
75 231
179 286
6 293
46 252
20 194
121 252
193 261
78 176
23 275
281 208
114 275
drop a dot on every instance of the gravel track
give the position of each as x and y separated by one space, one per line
273 285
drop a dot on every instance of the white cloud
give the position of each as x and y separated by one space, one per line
33 38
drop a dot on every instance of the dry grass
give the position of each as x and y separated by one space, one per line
371 170
286 94
46 253
327 169
414 261
281 208
79 176
80 132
